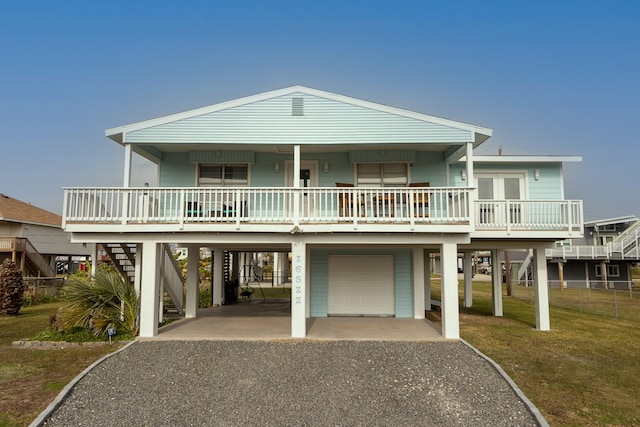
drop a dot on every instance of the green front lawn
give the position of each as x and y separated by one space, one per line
31 378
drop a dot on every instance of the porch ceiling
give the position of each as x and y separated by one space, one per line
147 150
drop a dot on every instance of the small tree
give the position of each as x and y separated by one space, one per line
107 299
11 287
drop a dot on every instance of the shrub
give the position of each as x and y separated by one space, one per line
100 302
11 287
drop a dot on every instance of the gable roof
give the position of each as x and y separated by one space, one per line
14 210
167 128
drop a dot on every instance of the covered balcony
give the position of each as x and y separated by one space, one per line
317 209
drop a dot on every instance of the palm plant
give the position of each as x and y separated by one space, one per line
106 300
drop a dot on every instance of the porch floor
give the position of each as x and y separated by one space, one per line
271 320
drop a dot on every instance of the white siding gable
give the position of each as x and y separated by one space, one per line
320 121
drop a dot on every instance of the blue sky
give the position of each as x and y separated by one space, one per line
550 77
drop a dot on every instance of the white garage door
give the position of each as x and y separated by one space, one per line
361 285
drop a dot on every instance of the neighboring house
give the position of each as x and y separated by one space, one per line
356 195
33 238
602 258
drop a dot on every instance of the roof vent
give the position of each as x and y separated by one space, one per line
297 106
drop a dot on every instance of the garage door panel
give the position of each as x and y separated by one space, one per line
361 285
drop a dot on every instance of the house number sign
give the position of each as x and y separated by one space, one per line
298 281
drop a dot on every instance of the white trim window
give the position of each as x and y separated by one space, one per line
223 175
382 174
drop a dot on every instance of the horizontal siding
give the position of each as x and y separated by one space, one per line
324 122
547 187
549 184
176 170
222 156
319 287
404 284
379 156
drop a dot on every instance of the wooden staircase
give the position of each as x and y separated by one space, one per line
33 264
123 257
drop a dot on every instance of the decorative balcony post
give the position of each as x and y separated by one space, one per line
296 185
471 195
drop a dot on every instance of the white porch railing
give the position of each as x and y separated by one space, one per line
318 205
266 205
529 215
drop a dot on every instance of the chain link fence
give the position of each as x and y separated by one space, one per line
618 299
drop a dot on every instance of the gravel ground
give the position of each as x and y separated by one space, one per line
338 383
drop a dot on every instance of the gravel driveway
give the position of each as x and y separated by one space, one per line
338 383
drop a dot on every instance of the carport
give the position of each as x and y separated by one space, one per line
271 320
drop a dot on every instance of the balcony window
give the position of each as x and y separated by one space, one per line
382 174
223 175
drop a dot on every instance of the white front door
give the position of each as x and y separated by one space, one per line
308 178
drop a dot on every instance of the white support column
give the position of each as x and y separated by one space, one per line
137 278
307 279
298 289
470 183
418 283
427 280
94 260
161 269
496 280
218 281
586 275
467 268
127 165
193 280
541 289
296 184
450 310
149 292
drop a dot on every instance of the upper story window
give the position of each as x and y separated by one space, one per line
382 174
223 175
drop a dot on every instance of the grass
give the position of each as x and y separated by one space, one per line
271 293
584 372
31 378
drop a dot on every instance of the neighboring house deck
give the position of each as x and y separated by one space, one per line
602 258
33 237
358 194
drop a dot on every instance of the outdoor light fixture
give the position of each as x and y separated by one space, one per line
536 174
463 174
325 167
276 167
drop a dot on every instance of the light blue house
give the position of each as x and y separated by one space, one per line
359 194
